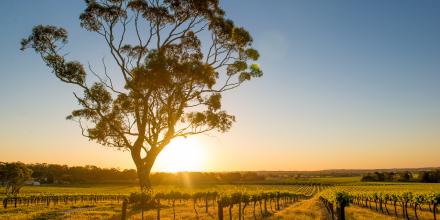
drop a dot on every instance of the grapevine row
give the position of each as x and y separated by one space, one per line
341 198
27 200
265 201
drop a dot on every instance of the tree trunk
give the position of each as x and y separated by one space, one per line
220 211
261 209
415 212
143 167
239 210
406 210
158 209
143 174
255 216
206 204
195 208
243 212
230 212
341 212
381 205
265 207
124 210
386 208
278 202
270 205
434 209
403 209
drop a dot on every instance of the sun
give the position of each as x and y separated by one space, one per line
182 154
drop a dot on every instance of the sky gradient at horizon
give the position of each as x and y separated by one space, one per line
347 84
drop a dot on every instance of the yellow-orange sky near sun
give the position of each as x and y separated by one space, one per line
351 85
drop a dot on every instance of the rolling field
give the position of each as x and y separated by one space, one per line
111 209
67 202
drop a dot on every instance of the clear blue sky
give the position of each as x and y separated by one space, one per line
347 84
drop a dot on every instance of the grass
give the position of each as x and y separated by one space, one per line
326 180
412 187
112 210
127 189
80 188
310 209
358 213
62 211
307 209
423 212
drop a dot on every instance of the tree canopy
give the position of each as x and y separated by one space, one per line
175 57
14 175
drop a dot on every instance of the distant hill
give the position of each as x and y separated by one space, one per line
344 172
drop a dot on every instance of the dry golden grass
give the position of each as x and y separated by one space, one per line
356 212
112 210
186 211
310 209
100 210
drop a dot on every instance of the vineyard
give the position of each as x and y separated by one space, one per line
228 202
389 200
338 201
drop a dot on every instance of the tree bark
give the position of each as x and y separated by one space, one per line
255 216
230 212
265 207
434 209
261 209
195 208
386 208
206 203
406 210
242 211
341 213
143 173
415 212
239 210
158 209
124 210
278 202
220 211
143 167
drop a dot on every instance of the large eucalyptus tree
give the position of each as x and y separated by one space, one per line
175 58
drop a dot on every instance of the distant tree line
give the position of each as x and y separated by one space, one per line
13 176
429 176
184 178
63 174
58 174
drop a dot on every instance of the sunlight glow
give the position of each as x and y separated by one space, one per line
182 154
